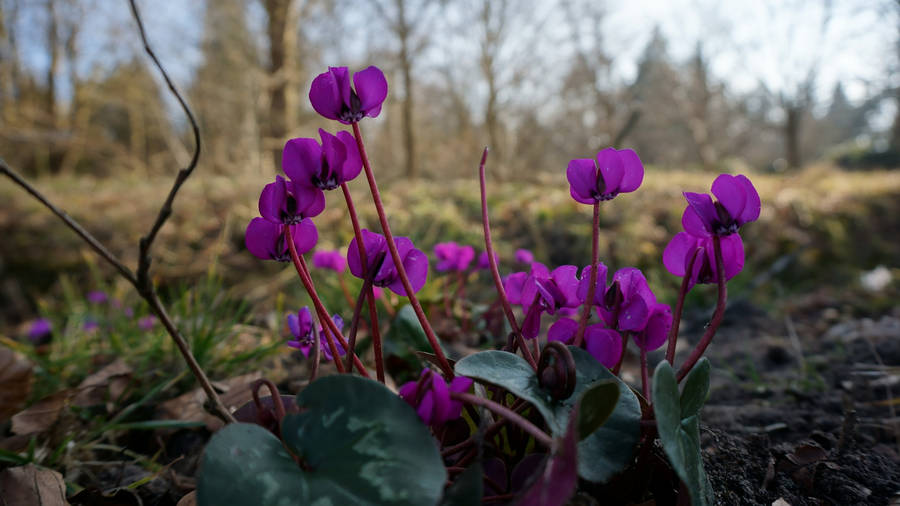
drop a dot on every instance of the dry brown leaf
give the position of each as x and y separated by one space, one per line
234 392
16 378
41 415
32 485
111 380
188 500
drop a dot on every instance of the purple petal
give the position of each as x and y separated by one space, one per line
416 265
612 169
705 210
310 200
566 280
465 257
634 171
582 176
531 326
261 238
442 404
514 284
634 314
324 95
408 392
425 410
677 253
753 205
353 162
732 255
524 256
374 243
604 344
372 89
584 283
272 200
335 152
563 330
293 322
693 224
305 235
731 194
304 321
301 160
657 330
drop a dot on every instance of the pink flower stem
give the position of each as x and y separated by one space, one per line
501 410
595 254
398 262
625 336
717 317
495 271
345 290
357 311
679 307
324 317
370 294
645 375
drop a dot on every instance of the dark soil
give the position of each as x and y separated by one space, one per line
800 407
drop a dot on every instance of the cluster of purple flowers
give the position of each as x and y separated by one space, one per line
301 327
430 396
706 221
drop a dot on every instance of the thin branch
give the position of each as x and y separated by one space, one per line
143 278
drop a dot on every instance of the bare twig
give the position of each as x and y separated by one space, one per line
143 278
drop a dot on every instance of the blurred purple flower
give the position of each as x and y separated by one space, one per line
523 256
147 323
430 397
484 262
453 257
738 203
627 301
325 166
333 260
289 203
301 327
90 325
332 96
97 297
678 252
40 330
611 173
415 262
657 329
266 239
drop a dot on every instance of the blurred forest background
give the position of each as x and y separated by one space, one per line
804 94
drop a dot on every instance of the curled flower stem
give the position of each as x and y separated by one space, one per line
717 317
273 391
495 271
370 294
592 288
325 319
679 307
501 410
645 375
357 311
398 262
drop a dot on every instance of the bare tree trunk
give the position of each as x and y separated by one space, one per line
53 68
792 123
282 33
403 33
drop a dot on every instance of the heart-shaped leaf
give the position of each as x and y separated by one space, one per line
357 442
596 405
405 334
608 449
680 436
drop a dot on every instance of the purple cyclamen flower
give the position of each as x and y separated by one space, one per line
39 331
147 323
657 329
323 166
563 330
430 397
301 326
97 297
266 239
415 262
332 96
453 257
289 203
627 301
333 260
523 256
520 286
553 292
681 248
613 172
738 203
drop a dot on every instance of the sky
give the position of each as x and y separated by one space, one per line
750 43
